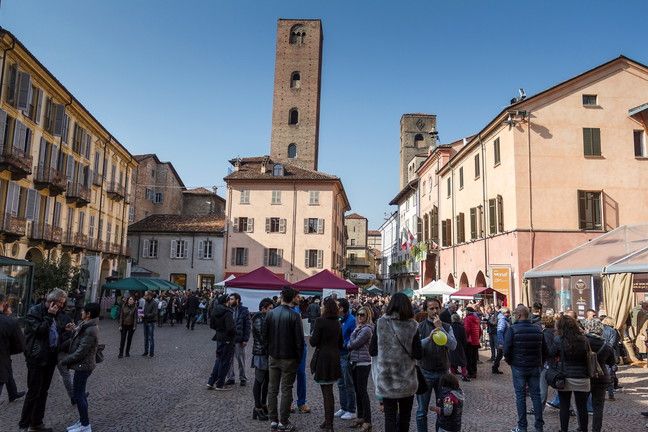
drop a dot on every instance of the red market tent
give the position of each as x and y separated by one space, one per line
325 280
255 286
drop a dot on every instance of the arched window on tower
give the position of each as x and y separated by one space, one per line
295 80
297 34
418 140
293 116
292 151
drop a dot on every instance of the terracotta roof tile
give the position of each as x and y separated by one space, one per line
179 224
250 169
354 216
373 233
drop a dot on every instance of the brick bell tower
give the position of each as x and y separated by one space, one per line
296 101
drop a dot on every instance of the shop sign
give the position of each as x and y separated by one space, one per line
501 279
640 282
581 294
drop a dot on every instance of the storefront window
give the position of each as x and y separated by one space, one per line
15 284
179 279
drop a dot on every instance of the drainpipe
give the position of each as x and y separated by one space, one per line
294 233
483 216
228 204
103 180
533 234
4 62
453 228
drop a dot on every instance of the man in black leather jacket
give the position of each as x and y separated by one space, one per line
284 338
43 337
222 321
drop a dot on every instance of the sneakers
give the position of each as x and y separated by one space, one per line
348 416
274 425
549 404
210 387
81 429
18 396
339 413
74 426
288 427
224 388
517 429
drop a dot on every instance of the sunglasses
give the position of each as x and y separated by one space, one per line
362 314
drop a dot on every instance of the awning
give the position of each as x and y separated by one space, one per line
640 114
469 293
261 278
437 287
325 279
142 284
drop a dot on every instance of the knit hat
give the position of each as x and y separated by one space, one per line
594 326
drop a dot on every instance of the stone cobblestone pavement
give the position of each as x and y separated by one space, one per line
167 393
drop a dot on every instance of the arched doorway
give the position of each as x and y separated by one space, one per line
480 280
451 281
463 280
34 255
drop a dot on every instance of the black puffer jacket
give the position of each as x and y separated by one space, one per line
605 356
37 327
222 321
258 346
574 358
242 324
83 347
524 345
283 333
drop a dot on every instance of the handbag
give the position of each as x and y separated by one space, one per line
422 386
99 355
594 369
555 375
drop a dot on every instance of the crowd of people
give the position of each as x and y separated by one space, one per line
418 349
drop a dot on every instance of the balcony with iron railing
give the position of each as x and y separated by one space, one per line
116 191
78 194
41 231
13 226
68 238
97 179
17 161
50 178
94 244
80 240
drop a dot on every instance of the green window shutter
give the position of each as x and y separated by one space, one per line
500 213
596 142
587 141
492 216
473 223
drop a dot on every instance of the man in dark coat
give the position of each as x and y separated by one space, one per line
11 342
43 336
223 322
191 308
242 322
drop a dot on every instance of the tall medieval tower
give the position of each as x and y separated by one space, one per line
417 136
296 101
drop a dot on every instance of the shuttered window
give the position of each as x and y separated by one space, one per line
313 226
314 258
461 183
589 210
492 216
313 198
434 222
496 152
461 228
446 228
276 197
205 249
239 256
245 196
477 167
272 257
592 141
473 223
178 249
500 214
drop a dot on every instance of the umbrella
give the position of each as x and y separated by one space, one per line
142 284
373 290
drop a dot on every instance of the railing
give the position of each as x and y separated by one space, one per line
97 179
79 193
50 177
80 240
115 190
57 234
41 231
68 238
13 225
16 160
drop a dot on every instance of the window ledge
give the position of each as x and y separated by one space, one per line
593 106
275 203
594 157
641 157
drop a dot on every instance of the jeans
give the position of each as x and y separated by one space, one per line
581 409
149 340
301 379
423 400
498 359
239 355
345 385
66 377
126 337
398 413
360 376
492 343
39 379
191 320
597 396
472 355
260 389
282 373
12 390
224 355
544 387
80 381
523 378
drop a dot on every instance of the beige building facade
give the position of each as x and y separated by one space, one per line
157 188
548 173
64 178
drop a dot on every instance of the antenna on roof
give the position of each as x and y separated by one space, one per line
519 98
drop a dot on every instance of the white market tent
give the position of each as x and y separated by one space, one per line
222 283
436 287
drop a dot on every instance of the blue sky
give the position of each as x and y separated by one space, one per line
192 80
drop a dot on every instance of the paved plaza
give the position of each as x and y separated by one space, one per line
167 393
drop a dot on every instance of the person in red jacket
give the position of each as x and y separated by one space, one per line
472 324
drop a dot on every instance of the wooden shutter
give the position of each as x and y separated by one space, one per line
266 256
3 128
473 223
320 226
145 248
31 204
233 257
492 216
28 140
59 119
39 102
267 224
13 76
19 135
245 256
250 225
174 245
320 258
201 249
42 152
500 214
282 226
596 141
306 264
235 226
306 226
24 86
54 156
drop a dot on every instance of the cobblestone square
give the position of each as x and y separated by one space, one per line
167 393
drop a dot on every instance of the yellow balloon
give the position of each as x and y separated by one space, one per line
440 338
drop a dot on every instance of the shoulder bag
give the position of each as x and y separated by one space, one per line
422 386
555 374
594 369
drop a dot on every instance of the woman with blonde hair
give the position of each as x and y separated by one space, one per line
360 359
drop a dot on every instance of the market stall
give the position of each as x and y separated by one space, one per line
475 294
324 284
436 288
255 286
